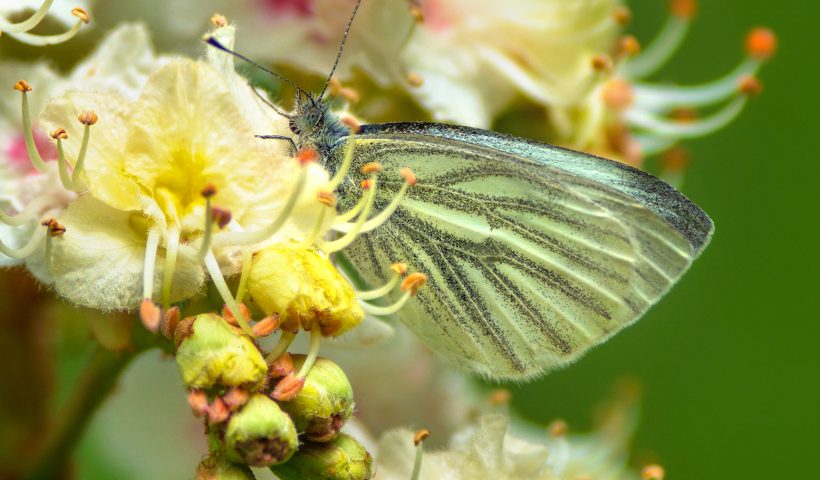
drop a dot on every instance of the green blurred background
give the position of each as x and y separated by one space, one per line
728 361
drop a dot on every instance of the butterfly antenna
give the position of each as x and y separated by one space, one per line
270 104
215 43
341 48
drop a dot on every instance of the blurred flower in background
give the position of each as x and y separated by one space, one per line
141 145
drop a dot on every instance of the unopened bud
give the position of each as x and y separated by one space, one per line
344 458
216 354
216 467
261 434
325 402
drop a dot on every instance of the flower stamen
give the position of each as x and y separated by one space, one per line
378 220
171 251
205 246
355 228
341 173
665 44
225 292
150 313
410 286
418 441
18 31
281 346
399 269
31 148
87 119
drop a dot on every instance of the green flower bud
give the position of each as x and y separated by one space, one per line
216 354
216 467
261 434
325 402
342 459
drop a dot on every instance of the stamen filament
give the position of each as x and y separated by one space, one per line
317 229
659 51
151 247
381 291
207 237
25 250
76 182
313 351
27 214
661 98
29 23
652 144
351 214
65 178
43 40
418 441
387 310
247 259
699 128
222 287
347 239
379 219
281 346
31 147
250 238
171 251
341 173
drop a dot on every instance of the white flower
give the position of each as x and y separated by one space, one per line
120 64
69 13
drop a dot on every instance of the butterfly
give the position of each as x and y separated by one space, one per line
534 253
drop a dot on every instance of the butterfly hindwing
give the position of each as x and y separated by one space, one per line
534 254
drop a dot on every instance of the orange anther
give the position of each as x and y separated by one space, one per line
675 160
399 268
307 155
87 118
22 86
218 20
366 184
750 86
622 15
218 412
281 366
266 326
326 198
150 314
653 472
352 124
59 133
408 175
618 94
684 114
413 282
415 80
558 428
81 14
227 314
198 402
170 321
499 397
761 43
602 63
235 398
628 46
683 9
371 167
288 387
420 436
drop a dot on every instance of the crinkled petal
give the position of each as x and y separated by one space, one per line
98 261
122 63
187 132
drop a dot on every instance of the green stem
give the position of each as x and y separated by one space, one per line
95 384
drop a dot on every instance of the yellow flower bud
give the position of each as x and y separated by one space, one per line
215 353
304 288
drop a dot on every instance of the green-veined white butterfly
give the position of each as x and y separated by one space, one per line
534 253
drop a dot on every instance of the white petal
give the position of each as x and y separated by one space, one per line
98 262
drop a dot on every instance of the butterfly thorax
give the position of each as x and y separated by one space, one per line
316 126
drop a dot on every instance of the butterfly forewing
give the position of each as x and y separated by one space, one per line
534 253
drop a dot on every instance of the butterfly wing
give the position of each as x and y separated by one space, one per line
534 253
